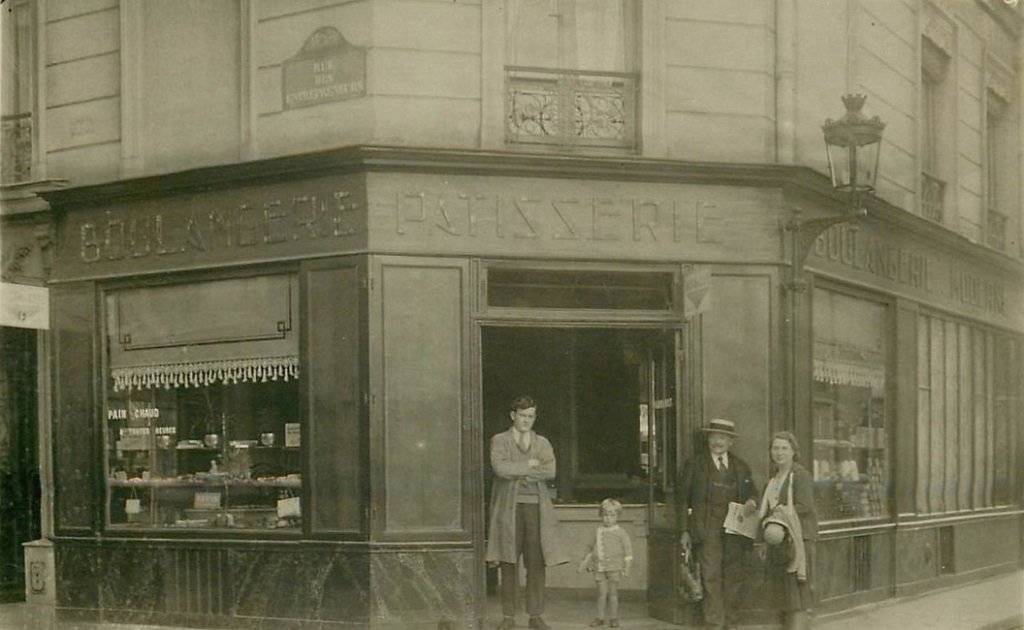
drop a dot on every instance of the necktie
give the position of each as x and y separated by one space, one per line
721 463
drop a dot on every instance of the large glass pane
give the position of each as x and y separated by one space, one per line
851 445
203 432
570 72
222 455
544 288
571 34
17 90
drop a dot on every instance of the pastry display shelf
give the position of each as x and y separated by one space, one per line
229 482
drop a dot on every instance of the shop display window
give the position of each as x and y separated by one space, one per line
202 406
851 457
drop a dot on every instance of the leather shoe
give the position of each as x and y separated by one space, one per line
538 624
507 623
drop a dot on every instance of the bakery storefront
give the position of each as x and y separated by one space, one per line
916 409
274 383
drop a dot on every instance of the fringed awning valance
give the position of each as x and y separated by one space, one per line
201 373
844 373
192 335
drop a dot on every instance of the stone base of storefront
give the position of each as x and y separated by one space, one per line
265 584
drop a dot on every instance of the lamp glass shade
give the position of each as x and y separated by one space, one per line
852 167
853 145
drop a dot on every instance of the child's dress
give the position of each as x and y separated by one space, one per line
609 551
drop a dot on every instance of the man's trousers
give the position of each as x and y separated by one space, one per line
722 567
527 545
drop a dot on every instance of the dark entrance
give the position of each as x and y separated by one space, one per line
608 400
19 465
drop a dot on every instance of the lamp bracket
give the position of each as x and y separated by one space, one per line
803 232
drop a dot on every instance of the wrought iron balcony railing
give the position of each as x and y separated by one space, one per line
570 108
16 147
933 191
995 230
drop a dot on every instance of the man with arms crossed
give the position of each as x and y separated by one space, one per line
523 520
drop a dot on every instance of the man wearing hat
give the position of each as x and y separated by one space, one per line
708 483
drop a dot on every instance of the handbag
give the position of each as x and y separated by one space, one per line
784 554
690 588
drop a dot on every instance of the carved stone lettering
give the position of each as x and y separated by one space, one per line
138 233
898 264
566 228
266 223
444 222
114 240
220 227
455 214
90 245
273 224
708 230
342 212
645 220
523 208
412 208
483 210
248 232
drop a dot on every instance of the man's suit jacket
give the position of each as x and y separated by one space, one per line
694 489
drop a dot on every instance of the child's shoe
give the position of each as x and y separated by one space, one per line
597 622
614 623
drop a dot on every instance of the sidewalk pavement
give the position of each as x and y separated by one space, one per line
993 604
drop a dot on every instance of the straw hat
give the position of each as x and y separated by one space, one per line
718 425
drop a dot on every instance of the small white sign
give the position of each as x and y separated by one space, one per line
289 507
24 306
696 290
292 436
206 501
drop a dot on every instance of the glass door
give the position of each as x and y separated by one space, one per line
659 417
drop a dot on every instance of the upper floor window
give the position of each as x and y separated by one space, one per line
1000 159
17 90
936 109
570 73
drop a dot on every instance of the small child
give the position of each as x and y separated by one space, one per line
609 556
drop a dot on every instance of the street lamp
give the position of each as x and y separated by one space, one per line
853 144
